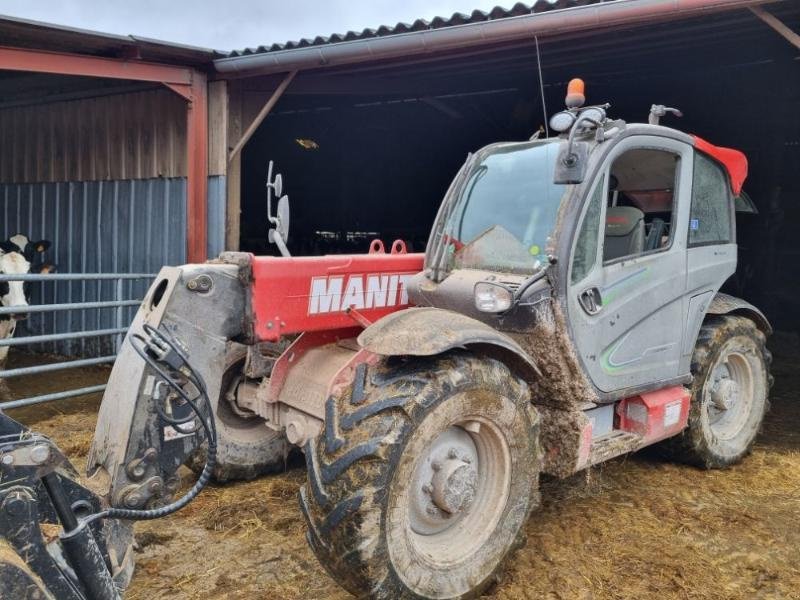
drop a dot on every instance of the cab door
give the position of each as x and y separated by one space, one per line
626 292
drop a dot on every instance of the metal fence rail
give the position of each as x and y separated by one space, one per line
116 333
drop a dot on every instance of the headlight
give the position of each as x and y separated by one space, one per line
492 298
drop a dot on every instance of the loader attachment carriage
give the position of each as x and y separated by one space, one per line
566 311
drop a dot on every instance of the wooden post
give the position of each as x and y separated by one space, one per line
233 181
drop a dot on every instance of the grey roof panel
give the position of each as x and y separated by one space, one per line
498 12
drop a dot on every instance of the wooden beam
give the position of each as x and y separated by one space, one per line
60 63
217 127
233 180
276 95
778 25
197 171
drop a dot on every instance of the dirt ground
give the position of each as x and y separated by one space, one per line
637 527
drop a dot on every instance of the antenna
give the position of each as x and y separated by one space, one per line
541 87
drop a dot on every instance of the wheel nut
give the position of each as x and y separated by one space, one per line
436 465
427 488
452 453
8 459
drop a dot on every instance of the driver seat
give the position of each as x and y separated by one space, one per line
624 232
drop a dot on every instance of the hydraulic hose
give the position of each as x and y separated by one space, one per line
160 349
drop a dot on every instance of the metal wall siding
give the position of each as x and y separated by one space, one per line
216 215
127 226
136 135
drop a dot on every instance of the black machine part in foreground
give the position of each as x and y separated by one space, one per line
38 486
91 557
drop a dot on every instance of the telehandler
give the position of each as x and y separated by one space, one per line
566 311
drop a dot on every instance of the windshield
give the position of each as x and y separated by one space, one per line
505 211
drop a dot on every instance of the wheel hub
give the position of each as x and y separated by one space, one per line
725 393
445 483
454 483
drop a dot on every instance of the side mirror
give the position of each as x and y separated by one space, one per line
280 232
282 218
571 163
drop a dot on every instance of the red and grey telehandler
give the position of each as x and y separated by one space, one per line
566 311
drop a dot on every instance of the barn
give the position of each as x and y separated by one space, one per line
129 153
105 157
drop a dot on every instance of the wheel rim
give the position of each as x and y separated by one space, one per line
459 490
730 395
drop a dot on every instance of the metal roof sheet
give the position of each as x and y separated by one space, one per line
25 33
476 16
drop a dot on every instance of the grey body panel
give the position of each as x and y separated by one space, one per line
635 339
430 331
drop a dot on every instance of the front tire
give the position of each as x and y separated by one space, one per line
730 392
423 478
246 447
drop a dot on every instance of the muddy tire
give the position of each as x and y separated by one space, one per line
423 477
246 447
730 392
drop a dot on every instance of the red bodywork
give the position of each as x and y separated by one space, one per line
734 161
655 415
314 293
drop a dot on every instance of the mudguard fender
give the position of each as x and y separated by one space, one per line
724 304
430 331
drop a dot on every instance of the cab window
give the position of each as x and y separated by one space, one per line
710 220
585 254
641 203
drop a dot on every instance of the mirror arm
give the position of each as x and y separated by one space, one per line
571 157
278 239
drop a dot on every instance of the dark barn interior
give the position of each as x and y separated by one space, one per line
369 150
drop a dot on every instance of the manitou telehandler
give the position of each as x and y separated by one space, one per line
566 311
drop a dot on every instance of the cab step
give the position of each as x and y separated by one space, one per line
614 444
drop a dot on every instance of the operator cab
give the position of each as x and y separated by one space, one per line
627 228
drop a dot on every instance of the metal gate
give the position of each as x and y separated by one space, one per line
115 314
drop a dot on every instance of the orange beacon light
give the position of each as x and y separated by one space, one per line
575 93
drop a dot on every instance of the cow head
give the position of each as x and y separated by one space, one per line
17 293
20 243
12 293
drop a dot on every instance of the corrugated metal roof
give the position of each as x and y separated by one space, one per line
476 16
24 33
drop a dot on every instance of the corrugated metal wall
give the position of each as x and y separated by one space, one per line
130 226
104 180
136 135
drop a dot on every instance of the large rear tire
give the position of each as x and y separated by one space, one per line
423 477
730 392
246 447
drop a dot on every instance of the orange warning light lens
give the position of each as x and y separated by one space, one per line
575 93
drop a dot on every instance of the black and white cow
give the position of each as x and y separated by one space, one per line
14 260
22 244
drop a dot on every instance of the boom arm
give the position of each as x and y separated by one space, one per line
239 298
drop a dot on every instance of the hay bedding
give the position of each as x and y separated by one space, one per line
637 527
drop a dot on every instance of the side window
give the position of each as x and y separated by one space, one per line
641 203
710 219
586 247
